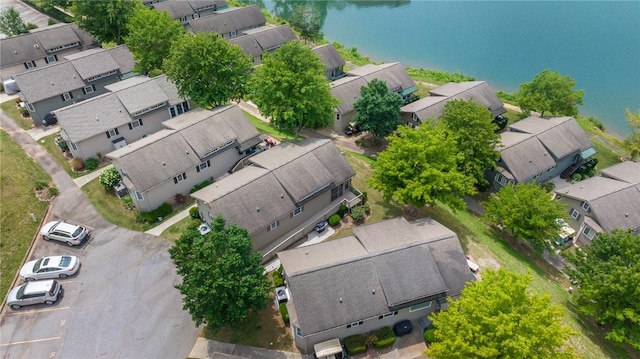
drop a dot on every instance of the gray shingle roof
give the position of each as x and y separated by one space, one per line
339 282
347 90
155 159
176 9
18 49
271 37
280 173
562 136
229 20
248 44
142 96
198 5
524 155
329 56
627 171
91 117
393 74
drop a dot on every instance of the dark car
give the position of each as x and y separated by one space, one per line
49 119
321 226
352 129
402 328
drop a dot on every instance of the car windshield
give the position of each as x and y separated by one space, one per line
20 294
77 232
38 264
65 261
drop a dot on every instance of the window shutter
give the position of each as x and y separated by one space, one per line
46 60
117 133
55 57
184 176
26 66
208 163
175 180
198 168
62 97
84 91
130 126
140 120
70 95
108 135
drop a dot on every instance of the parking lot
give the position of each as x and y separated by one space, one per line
120 304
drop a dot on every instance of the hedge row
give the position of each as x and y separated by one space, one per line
152 217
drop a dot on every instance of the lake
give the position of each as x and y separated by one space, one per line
597 43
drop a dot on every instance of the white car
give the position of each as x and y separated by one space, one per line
71 234
50 267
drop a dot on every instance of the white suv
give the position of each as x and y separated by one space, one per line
71 234
46 291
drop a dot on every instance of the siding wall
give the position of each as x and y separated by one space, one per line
7 72
345 118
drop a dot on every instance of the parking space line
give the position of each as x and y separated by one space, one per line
37 311
30 341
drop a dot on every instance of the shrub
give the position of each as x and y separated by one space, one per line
31 26
278 281
342 210
152 217
53 191
109 178
41 185
51 21
386 337
355 344
357 213
366 208
597 122
284 313
194 213
334 220
91 164
24 112
549 187
127 202
61 143
371 339
430 335
364 198
77 164
576 177
199 186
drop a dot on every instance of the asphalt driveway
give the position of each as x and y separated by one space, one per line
121 304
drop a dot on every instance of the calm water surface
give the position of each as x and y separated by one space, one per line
597 43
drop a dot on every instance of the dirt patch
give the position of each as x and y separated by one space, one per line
44 194
372 144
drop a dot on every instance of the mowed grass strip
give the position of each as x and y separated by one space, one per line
10 108
110 207
17 193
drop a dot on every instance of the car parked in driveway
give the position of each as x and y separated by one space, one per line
50 267
69 233
46 291
321 226
403 327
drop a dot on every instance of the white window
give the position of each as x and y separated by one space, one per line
73 146
297 211
421 306
234 33
590 233
502 179
89 89
575 214
30 108
51 58
585 206
195 16
112 132
139 196
387 315
178 109
203 165
273 226
211 216
354 324
183 19
179 178
67 96
414 116
135 124
29 64
298 332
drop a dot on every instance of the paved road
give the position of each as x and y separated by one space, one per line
122 303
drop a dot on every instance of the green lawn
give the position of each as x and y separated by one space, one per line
49 144
17 180
173 233
110 207
10 108
265 127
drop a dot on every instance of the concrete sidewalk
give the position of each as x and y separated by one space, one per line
157 230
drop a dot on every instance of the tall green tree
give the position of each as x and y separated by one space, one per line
527 211
550 92
291 89
632 142
499 317
11 23
419 167
307 19
378 109
207 69
472 127
150 36
105 20
223 280
608 275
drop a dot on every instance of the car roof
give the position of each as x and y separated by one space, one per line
38 286
66 227
53 261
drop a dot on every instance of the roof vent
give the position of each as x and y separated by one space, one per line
187 151
306 252
340 299
257 209
15 52
163 163
281 195
530 160
373 291
626 214
36 46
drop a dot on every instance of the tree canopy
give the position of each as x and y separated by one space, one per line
378 109
499 317
11 23
632 142
291 89
222 278
207 69
473 129
527 211
307 19
607 273
420 166
550 92
105 20
150 35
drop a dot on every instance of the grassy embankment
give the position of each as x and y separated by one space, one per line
17 181
10 108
